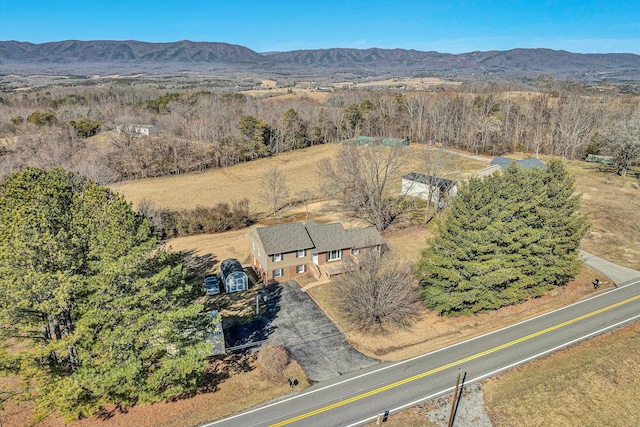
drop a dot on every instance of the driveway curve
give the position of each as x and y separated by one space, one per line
293 320
615 272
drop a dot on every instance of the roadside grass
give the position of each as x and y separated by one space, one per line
613 206
412 417
594 383
235 383
431 332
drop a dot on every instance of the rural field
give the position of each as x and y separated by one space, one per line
610 201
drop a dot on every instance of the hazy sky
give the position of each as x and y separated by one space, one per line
446 26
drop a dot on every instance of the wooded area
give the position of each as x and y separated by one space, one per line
93 313
204 129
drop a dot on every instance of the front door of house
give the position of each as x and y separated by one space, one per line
314 258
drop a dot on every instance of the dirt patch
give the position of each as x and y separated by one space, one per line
437 412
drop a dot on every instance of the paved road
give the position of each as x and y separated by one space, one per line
293 320
356 398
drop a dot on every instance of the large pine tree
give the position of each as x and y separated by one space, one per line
92 312
504 239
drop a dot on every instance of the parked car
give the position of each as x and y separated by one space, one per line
211 285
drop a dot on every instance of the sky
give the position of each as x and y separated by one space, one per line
447 26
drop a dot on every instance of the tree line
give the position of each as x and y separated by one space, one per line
203 129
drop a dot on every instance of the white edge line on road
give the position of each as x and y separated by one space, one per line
497 371
258 408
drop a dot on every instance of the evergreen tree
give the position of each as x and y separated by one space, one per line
93 313
505 238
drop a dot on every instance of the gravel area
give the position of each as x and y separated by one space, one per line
470 410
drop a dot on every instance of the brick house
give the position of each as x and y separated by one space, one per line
286 251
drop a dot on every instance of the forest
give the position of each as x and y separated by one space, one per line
74 127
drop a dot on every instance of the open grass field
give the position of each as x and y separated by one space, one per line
228 184
300 168
595 383
613 206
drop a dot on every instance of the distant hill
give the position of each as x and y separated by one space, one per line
186 55
108 51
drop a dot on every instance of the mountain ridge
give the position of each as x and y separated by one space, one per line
188 54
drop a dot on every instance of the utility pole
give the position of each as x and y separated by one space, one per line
455 399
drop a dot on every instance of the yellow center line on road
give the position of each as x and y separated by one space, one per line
452 364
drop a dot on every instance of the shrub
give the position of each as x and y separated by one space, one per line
273 360
216 219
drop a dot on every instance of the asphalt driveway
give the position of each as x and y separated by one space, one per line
293 320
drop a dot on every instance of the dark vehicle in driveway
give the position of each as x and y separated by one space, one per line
211 285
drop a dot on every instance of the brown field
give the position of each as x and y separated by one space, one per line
409 83
270 89
595 383
613 206
300 167
229 184
299 94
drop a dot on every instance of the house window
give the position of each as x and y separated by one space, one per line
258 250
376 248
334 255
253 245
355 251
277 257
277 273
301 253
301 268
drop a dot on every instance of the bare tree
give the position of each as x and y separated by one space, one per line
622 142
305 196
378 293
361 179
275 188
439 165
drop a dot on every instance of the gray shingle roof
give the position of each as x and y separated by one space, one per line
530 163
327 237
230 265
289 237
501 161
284 238
365 237
443 183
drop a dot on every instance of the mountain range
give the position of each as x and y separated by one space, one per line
108 55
